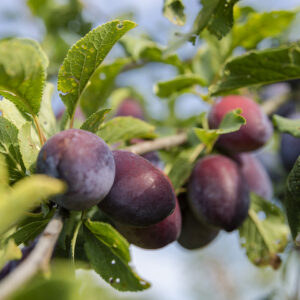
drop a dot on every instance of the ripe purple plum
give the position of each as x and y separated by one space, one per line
154 236
255 175
217 192
290 147
194 233
130 108
84 162
141 194
251 136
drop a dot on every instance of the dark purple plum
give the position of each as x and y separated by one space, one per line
154 236
217 192
141 194
251 136
290 147
130 108
255 175
84 162
194 233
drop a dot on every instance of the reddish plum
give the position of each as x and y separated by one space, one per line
251 136
217 192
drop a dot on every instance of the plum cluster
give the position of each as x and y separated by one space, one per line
135 194
218 190
139 198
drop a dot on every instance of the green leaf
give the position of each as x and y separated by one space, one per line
46 115
12 113
216 15
287 125
112 267
93 123
264 233
124 129
10 251
174 11
222 19
29 231
26 194
100 86
180 169
3 173
84 58
105 233
62 284
231 122
259 67
292 201
22 73
145 49
211 57
9 146
179 84
28 148
259 26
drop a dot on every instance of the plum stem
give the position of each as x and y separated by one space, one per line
38 260
74 239
42 137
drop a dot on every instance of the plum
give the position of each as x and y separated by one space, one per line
251 136
255 175
154 236
194 233
290 147
217 192
84 161
141 194
130 108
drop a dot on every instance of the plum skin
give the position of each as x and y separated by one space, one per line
252 135
130 108
154 236
141 194
84 162
255 175
217 192
194 233
289 147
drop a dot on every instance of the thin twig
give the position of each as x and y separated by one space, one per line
271 105
160 143
38 260
41 135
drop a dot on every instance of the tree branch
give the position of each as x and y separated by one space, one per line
272 104
37 260
157 144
